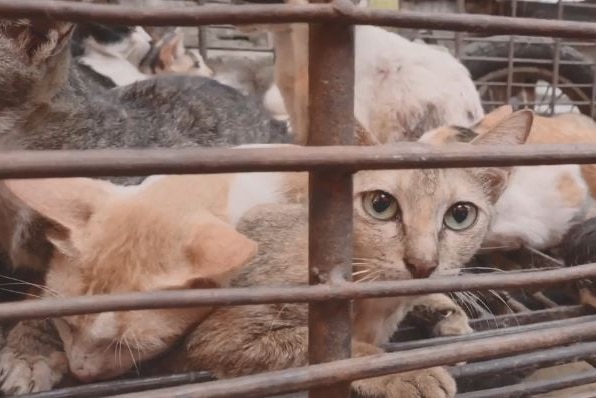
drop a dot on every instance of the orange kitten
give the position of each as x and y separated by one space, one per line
112 239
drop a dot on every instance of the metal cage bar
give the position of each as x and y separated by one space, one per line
330 167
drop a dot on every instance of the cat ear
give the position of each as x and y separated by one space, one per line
364 137
171 49
491 119
513 129
67 203
39 39
216 251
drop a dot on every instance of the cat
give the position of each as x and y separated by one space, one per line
392 241
540 203
252 77
577 248
112 52
169 55
401 89
111 239
46 105
560 129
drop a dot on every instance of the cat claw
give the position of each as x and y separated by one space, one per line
22 374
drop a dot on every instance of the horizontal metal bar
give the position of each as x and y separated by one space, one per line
534 61
409 345
109 388
509 320
526 389
52 307
137 162
298 379
338 11
534 360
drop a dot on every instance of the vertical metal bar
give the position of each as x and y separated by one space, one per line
593 98
557 61
461 8
510 55
331 122
202 36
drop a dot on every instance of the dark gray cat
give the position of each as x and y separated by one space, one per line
45 104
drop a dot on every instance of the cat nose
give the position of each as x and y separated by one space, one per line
421 268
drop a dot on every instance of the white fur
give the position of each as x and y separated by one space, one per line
118 61
274 103
248 190
531 211
396 80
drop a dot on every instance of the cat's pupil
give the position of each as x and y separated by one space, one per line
460 213
382 202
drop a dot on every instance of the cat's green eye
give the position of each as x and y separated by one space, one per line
380 205
460 216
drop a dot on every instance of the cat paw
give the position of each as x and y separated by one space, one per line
22 374
428 383
454 322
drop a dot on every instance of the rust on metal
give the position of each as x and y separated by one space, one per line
331 122
298 379
137 162
339 11
556 62
52 307
511 54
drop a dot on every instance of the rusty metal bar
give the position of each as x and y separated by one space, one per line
534 360
331 122
461 9
551 357
339 11
557 61
52 307
298 379
109 388
136 162
511 54
508 320
433 342
526 389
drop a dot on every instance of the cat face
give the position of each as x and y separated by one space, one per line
420 223
34 60
110 239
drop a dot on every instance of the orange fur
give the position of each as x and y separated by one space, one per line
110 239
561 129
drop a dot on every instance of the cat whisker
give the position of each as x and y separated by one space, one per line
364 271
482 269
21 293
132 356
501 299
136 340
24 282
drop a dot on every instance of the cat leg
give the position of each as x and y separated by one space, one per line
245 340
32 358
426 383
441 314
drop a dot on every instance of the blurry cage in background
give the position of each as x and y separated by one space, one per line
547 75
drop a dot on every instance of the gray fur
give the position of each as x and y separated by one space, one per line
46 103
